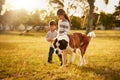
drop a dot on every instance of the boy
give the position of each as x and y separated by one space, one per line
51 34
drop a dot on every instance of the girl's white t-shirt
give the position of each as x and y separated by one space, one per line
63 27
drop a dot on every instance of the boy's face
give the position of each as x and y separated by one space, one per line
52 27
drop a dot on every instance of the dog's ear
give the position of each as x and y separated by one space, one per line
63 44
54 43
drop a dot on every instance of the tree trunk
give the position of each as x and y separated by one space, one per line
84 21
90 16
1 3
98 19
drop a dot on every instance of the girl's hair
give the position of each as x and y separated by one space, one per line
62 12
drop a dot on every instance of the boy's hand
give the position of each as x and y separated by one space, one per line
50 40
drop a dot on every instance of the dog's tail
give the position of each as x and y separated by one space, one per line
91 34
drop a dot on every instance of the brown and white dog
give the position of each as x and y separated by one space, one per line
68 44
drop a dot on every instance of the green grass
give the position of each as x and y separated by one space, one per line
24 57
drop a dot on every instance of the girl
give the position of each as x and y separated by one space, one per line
63 23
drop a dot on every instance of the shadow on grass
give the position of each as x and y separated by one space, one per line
32 34
17 34
107 72
28 34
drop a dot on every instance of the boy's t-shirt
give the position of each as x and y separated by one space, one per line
51 35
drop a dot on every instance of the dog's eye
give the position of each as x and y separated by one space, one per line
59 41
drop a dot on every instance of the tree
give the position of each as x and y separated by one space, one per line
67 5
90 16
75 21
59 3
14 18
54 5
85 8
1 3
21 17
50 17
107 20
71 7
43 14
36 18
106 2
117 15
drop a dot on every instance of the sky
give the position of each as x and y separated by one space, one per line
110 8
28 5
31 5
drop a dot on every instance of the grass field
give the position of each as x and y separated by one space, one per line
24 57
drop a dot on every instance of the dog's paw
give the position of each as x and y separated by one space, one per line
62 66
80 64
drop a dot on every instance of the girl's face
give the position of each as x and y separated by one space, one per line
61 17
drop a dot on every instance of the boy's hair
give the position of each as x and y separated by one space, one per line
52 22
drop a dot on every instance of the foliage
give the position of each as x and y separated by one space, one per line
18 17
14 17
117 15
1 3
107 20
59 3
34 19
106 1
95 18
76 23
50 17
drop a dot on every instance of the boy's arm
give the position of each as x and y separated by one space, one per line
48 38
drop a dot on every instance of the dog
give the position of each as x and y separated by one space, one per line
68 44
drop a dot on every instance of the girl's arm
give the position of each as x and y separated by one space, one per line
67 29
58 27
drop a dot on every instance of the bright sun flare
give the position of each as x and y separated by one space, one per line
29 5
